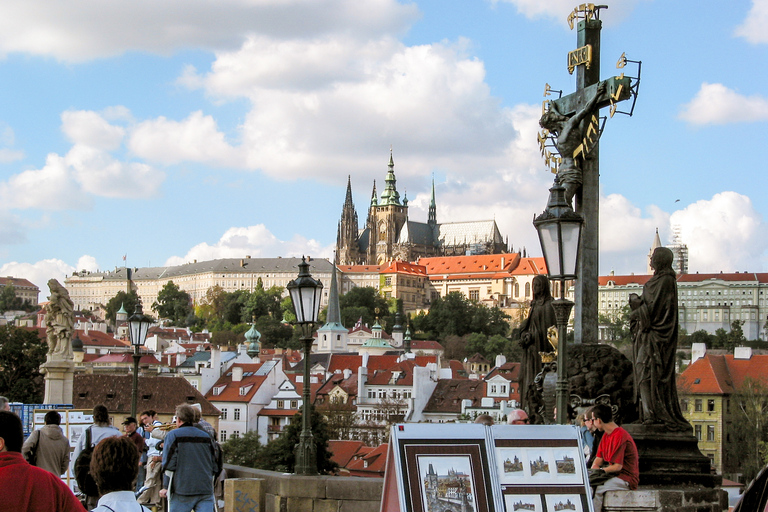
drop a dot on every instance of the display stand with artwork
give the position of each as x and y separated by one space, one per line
474 468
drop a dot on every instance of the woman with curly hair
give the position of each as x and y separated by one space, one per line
114 466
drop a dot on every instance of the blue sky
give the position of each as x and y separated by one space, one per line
171 131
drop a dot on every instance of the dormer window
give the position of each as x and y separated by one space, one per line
245 389
218 389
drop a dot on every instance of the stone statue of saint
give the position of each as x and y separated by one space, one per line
60 322
533 338
570 134
654 326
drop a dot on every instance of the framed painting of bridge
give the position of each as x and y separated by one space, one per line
477 468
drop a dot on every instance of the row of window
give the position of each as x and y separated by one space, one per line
235 413
382 393
223 435
697 431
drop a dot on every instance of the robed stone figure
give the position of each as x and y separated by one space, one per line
654 326
533 338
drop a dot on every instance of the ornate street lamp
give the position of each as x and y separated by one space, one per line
559 229
138 327
305 294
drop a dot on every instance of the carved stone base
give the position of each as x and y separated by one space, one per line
671 458
683 499
58 381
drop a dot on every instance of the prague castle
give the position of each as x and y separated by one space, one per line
389 235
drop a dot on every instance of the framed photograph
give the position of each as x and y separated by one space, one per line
523 503
564 503
568 466
540 464
444 475
511 465
75 431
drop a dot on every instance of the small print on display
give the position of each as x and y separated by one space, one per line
446 483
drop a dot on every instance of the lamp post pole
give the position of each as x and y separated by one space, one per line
562 307
305 294
135 388
306 453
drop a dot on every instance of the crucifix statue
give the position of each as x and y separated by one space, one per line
572 127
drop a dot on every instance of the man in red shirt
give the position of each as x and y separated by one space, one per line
24 487
616 455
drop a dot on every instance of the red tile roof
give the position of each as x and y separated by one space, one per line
722 374
623 280
735 276
371 464
530 266
425 345
125 357
401 267
470 264
342 451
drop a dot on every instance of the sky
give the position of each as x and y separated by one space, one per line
166 132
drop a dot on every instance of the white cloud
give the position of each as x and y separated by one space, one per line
717 104
196 139
255 241
38 273
347 121
95 29
51 188
724 233
7 140
91 129
753 27
100 174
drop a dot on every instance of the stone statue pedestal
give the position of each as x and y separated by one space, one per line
671 458
688 499
59 375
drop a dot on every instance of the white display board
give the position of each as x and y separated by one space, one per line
476 468
73 424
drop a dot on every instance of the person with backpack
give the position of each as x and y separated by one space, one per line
101 429
47 448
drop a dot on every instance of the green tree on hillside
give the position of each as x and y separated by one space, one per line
362 302
173 303
279 455
21 354
127 301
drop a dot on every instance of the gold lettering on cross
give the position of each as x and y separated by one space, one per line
580 56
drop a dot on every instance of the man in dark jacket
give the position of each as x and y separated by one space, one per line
49 446
189 452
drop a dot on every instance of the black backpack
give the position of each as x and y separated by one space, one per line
83 476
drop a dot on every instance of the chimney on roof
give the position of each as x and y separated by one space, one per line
500 360
237 373
742 353
347 373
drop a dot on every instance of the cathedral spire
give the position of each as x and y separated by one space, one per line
374 200
432 220
348 200
390 194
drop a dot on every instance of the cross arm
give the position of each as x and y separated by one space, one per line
617 89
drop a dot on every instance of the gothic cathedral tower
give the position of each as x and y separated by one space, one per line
385 220
347 237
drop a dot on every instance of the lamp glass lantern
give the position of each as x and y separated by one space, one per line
559 229
138 327
306 293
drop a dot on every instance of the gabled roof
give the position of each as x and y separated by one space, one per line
343 451
251 381
469 232
17 282
162 394
403 373
371 464
92 339
448 394
509 370
722 374
360 269
337 379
